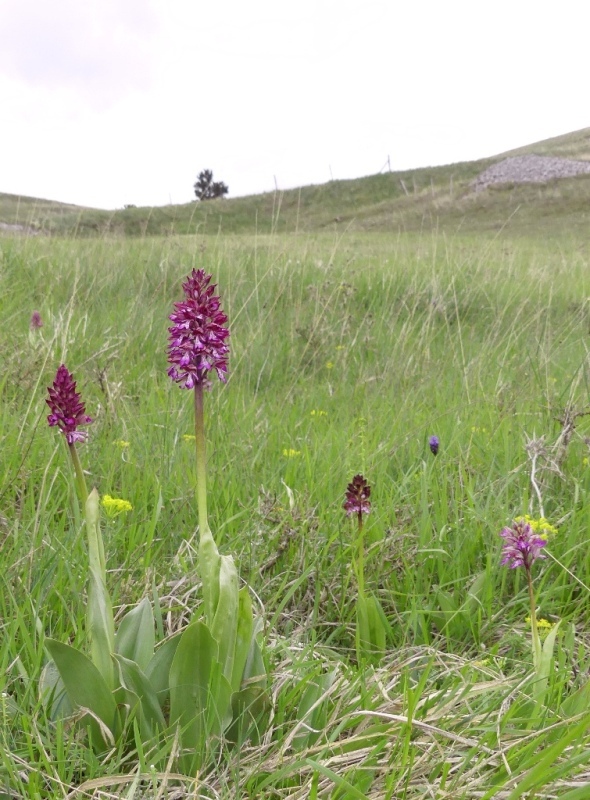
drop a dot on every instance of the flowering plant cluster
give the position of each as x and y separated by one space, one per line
209 680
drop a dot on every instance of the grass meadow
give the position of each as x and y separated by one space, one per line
348 351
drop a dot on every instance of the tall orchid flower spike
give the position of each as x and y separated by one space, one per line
68 413
371 632
357 500
197 344
522 547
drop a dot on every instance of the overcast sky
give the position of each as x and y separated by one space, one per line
109 102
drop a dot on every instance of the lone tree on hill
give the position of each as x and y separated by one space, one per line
206 188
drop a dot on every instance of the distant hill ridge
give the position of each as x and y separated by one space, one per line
541 188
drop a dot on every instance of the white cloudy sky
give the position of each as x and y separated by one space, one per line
107 102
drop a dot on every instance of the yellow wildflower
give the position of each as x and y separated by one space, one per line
188 437
114 505
340 347
290 453
543 626
541 526
122 443
541 623
315 413
329 365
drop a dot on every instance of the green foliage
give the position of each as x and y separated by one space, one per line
200 695
372 628
481 340
88 691
197 682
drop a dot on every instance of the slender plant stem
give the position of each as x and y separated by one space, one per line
534 628
80 479
201 459
361 556
535 486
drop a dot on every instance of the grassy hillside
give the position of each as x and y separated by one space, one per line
574 145
413 200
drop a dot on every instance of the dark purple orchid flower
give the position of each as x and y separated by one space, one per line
197 339
67 409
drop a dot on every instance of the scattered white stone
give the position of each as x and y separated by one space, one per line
530 169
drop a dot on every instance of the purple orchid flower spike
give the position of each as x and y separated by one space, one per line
68 412
522 546
197 339
357 500
434 444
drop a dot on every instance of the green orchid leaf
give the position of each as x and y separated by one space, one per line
548 648
249 706
100 628
363 631
254 673
53 693
377 627
158 670
99 611
245 628
87 689
200 696
371 629
96 557
209 566
225 622
543 669
135 638
134 680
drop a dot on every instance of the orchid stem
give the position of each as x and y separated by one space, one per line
80 479
534 627
201 459
361 556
